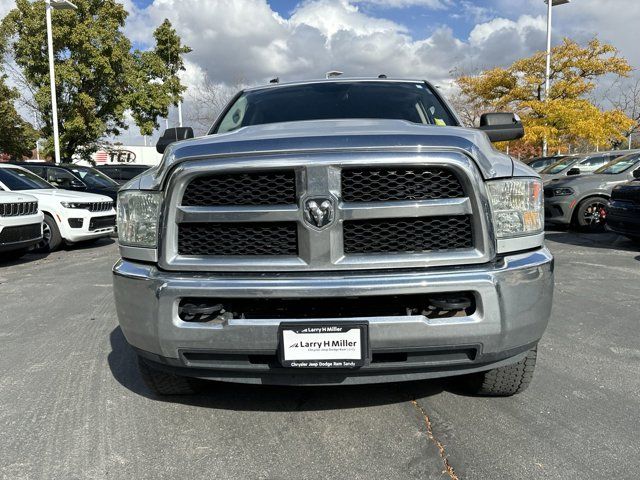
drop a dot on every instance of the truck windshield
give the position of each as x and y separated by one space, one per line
20 179
414 102
619 165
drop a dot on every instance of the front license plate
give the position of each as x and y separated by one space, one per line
324 345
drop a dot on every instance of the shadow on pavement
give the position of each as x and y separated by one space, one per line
7 261
99 242
607 241
229 396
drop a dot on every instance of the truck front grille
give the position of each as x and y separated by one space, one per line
408 235
325 211
386 184
253 188
18 209
20 233
276 238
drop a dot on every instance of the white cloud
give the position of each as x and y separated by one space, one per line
246 40
5 6
434 4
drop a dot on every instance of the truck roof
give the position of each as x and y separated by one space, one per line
334 80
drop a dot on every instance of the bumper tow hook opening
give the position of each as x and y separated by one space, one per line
450 305
190 312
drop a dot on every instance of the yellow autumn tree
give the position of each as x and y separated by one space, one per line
568 115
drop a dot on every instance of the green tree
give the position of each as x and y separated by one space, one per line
17 137
98 76
568 115
157 84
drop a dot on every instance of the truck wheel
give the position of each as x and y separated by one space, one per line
504 381
164 383
591 214
51 239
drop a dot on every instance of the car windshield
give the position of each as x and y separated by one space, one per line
561 165
414 102
20 179
93 177
619 165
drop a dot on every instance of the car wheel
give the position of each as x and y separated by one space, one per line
51 238
504 381
164 383
591 215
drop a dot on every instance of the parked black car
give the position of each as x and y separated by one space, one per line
122 173
75 177
624 209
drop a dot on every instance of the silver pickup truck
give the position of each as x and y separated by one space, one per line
336 231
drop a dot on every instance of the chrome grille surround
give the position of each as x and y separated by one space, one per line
318 174
18 209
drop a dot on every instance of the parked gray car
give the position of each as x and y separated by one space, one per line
580 165
583 200
333 232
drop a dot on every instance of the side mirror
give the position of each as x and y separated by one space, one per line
574 171
501 127
636 173
171 135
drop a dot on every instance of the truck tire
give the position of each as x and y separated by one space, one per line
164 383
51 238
504 381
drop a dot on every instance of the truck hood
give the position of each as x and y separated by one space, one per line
335 135
54 194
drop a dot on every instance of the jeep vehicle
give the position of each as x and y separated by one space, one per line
69 217
20 224
337 231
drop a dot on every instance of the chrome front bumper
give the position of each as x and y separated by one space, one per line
513 298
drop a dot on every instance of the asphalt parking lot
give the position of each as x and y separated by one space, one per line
73 405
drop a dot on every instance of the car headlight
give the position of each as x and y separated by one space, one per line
138 213
73 205
562 192
517 206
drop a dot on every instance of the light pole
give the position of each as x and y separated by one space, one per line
58 5
550 5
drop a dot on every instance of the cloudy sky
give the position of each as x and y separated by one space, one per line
255 40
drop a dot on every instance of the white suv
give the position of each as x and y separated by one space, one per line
68 216
20 224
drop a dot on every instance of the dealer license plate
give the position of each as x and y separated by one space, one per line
324 345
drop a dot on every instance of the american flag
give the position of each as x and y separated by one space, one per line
101 156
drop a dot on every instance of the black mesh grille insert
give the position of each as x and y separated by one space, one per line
97 223
407 235
273 238
20 233
254 188
388 184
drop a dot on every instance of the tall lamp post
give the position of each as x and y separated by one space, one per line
58 5
547 80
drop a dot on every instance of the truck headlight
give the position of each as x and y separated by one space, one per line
517 206
138 213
